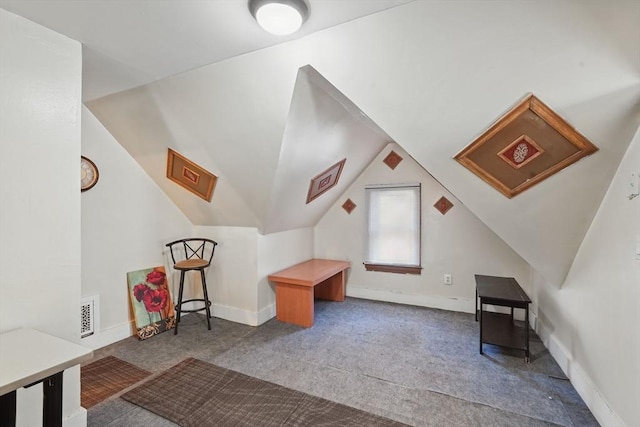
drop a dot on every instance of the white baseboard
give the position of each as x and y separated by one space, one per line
266 313
124 330
108 336
247 317
444 303
533 320
77 419
579 379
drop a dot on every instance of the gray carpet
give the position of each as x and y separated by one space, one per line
206 395
414 365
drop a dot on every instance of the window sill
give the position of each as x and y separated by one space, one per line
400 269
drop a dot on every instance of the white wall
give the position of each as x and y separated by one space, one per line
126 221
231 279
591 324
456 243
237 279
433 95
276 252
40 92
418 75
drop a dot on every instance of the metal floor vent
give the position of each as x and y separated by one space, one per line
88 309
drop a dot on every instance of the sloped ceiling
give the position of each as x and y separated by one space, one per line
323 127
264 158
433 75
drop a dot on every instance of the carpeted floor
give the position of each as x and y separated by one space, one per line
414 365
205 395
105 377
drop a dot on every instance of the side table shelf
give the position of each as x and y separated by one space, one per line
499 329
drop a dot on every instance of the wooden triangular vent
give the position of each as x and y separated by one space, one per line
526 145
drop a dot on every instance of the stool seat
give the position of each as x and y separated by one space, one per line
193 254
191 264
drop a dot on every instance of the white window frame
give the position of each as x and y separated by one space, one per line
375 258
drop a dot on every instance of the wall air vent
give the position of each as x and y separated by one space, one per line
88 311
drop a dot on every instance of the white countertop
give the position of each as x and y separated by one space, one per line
27 356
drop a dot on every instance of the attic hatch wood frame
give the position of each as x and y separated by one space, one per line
190 176
550 122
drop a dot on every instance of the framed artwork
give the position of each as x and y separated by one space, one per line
190 176
328 179
151 301
525 146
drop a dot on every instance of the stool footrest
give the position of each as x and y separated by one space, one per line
208 304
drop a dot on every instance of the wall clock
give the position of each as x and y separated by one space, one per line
88 174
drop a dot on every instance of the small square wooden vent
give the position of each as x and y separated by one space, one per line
528 144
443 205
349 206
392 160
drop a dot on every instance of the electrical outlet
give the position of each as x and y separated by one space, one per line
447 279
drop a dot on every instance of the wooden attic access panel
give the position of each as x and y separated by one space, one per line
526 145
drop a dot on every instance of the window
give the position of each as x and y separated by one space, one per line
393 242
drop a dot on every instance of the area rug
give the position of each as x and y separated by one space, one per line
197 393
105 377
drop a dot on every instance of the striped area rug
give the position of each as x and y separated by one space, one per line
196 393
105 377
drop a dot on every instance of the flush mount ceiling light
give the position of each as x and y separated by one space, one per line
280 17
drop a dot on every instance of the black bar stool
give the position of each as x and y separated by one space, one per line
198 253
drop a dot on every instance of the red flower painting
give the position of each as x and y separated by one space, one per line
139 291
155 300
151 301
156 277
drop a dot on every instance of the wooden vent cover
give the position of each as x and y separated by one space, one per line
526 145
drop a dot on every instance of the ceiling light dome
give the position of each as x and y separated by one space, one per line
280 17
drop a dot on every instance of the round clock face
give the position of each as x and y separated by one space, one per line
88 174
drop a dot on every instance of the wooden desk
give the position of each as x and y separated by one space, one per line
496 328
297 286
29 357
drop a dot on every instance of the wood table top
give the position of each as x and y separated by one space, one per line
503 288
311 272
28 356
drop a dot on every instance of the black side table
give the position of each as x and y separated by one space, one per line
497 328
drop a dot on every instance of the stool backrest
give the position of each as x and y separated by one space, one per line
192 248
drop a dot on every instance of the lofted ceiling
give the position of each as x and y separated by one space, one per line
268 114
128 43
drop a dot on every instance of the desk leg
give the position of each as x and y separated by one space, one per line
481 327
331 289
52 403
476 304
294 304
8 409
526 333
